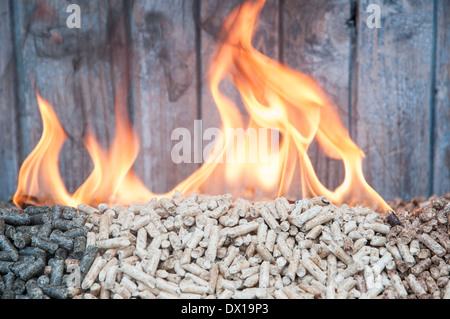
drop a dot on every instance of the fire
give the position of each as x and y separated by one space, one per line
276 97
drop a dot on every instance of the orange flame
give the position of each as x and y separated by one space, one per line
275 97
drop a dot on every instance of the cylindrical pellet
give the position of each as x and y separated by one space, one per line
45 230
57 212
75 232
33 290
9 280
61 253
22 240
23 262
9 255
5 244
40 219
44 244
2 225
37 210
5 267
55 292
69 213
62 241
57 272
88 258
63 224
79 247
16 218
32 251
19 286
32 270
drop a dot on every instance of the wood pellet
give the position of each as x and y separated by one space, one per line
217 247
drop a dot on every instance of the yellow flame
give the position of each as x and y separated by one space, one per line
275 97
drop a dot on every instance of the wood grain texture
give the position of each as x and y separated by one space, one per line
317 42
213 15
392 96
441 183
164 87
152 49
73 70
8 128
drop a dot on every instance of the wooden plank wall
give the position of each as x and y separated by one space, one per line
9 161
441 124
73 70
392 96
164 86
319 44
390 85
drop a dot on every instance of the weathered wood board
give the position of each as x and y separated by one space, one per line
9 164
164 87
317 42
392 96
441 128
73 70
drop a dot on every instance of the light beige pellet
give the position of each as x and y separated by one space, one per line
93 272
270 220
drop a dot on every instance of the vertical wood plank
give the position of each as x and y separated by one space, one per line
392 96
317 42
73 70
441 183
8 128
213 15
164 89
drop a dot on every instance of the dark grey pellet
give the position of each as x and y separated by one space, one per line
33 290
63 224
56 292
57 212
79 220
2 284
10 232
62 241
75 232
61 253
21 264
9 255
392 219
32 251
57 272
22 240
16 218
5 267
40 219
28 229
19 286
44 244
8 294
9 279
79 247
36 210
2 225
68 284
88 259
22 297
45 230
32 269
43 280
5 244
69 213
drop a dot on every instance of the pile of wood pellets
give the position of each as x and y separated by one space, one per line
218 247
35 247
